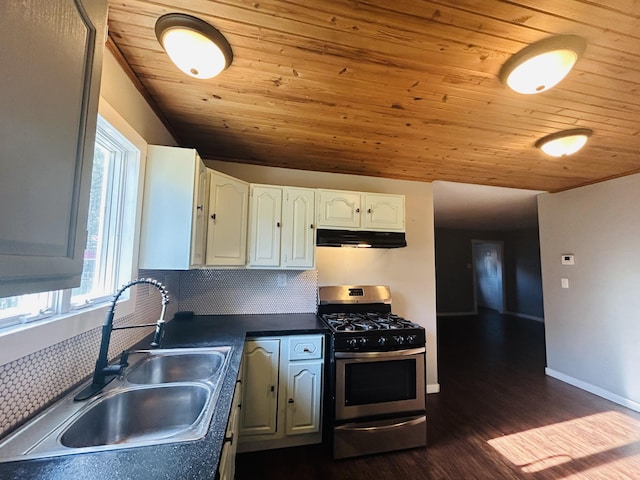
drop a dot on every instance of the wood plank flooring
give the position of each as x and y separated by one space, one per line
497 417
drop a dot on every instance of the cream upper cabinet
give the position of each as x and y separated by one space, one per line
383 212
339 209
281 228
265 220
52 60
226 220
174 210
298 248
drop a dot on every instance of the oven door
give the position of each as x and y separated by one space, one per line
379 383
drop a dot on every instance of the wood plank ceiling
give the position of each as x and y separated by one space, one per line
401 89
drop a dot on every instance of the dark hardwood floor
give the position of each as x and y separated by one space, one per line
498 416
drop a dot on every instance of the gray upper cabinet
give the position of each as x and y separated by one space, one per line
51 57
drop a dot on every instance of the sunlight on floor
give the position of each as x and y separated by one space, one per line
582 439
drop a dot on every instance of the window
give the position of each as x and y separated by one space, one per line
109 252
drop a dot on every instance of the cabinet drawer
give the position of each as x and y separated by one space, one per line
305 347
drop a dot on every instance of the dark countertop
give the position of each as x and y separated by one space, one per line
187 460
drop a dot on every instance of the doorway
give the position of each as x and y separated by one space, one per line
488 274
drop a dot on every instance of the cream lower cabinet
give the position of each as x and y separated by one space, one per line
226 220
340 209
281 227
288 412
227 466
260 361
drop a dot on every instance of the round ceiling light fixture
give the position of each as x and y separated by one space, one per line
542 65
564 143
197 48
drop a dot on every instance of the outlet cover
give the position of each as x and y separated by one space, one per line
568 259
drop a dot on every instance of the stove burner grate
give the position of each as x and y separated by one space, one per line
351 322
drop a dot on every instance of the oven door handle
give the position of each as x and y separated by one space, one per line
392 353
377 425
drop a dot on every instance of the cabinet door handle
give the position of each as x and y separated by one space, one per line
357 210
213 216
273 389
369 211
229 439
311 226
291 400
199 207
306 350
278 224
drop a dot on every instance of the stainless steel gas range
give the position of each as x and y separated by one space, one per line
377 368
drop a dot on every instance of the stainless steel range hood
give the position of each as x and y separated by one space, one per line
360 238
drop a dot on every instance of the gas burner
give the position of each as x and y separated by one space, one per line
358 322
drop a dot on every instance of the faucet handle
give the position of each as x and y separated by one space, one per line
124 359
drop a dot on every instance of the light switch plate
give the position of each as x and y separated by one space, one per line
564 282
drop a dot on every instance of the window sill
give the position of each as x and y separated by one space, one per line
25 339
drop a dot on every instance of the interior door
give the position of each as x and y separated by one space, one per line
488 275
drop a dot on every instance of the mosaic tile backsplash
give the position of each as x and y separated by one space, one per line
30 384
220 292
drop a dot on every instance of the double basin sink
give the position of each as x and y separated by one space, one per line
163 396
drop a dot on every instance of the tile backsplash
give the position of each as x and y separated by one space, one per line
219 292
31 383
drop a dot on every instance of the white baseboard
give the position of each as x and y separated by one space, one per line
524 315
455 314
433 388
601 392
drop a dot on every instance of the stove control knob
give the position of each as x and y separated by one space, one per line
399 339
382 341
412 338
352 342
363 341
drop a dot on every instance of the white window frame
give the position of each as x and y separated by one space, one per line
19 341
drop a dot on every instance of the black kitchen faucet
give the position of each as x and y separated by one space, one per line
104 372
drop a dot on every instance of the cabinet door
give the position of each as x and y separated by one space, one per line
264 226
338 209
298 232
52 59
384 212
200 201
227 468
173 213
260 387
227 220
304 389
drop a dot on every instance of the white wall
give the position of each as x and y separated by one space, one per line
593 327
410 271
122 95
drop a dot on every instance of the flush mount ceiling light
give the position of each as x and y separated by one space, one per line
542 65
197 48
564 143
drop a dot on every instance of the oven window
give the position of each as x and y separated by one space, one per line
377 382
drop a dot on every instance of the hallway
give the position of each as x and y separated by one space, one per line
498 416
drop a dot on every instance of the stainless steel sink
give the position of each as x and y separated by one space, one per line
176 367
138 416
164 396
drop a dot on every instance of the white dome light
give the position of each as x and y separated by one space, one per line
197 48
564 143
542 65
